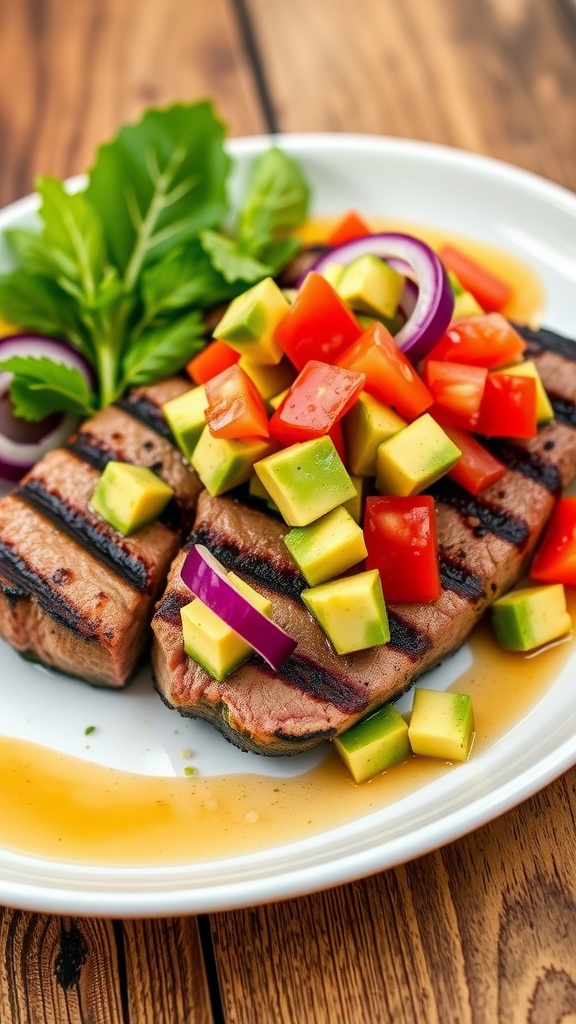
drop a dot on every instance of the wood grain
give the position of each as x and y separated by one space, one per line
58 969
482 931
72 73
492 76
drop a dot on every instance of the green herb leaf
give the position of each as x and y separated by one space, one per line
158 183
277 200
41 386
162 350
39 305
233 263
72 239
183 278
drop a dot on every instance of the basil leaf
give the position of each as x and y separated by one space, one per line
277 200
158 183
41 386
162 350
230 260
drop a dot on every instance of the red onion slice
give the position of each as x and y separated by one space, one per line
434 305
207 579
22 443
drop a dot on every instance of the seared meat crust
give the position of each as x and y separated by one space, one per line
485 546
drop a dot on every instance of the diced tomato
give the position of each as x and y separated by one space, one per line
457 390
555 559
402 543
319 396
476 468
489 290
318 325
390 376
349 228
488 341
508 407
235 408
214 358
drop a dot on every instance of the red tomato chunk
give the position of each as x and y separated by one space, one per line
235 407
390 376
317 399
318 325
555 560
402 543
488 341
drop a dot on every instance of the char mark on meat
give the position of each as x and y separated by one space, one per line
147 413
483 516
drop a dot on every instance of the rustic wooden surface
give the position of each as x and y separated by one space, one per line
484 930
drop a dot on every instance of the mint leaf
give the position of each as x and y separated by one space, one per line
277 200
227 257
41 386
162 350
159 183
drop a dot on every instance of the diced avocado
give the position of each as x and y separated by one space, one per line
212 643
464 302
327 547
270 379
129 497
249 323
332 273
185 415
365 426
370 285
355 505
441 724
223 463
530 617
374 744
276 400
544 410
306 480
257 490
351 611
414 458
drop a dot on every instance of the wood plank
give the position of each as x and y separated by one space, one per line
165 972
58 969
492 76
90 67
457 935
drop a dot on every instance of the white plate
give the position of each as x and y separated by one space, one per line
424 184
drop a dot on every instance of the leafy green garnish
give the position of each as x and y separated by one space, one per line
123 269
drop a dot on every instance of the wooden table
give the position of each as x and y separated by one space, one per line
485 929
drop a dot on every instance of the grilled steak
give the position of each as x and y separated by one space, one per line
485 544
74 593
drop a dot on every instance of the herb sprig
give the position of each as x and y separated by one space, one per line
124 269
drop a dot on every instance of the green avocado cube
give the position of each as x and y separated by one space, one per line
223 463
464 302
365 426
332 272
327 547
306 480
250 322
530 617
210 641
369 285
185 415
414 458
441 724
351 611
374 744
355 505
129 497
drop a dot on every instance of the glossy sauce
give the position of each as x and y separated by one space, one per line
59 807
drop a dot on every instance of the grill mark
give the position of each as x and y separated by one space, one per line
483 517
529 464
406 638
322 735
89 448
143 410
260 570
459 579
108 549
564 410
169 608
547 341
17 570
315 680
